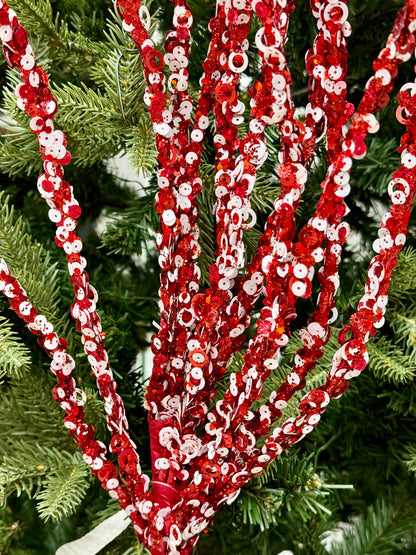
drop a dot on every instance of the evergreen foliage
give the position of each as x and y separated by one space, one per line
358 466
382 530
14 357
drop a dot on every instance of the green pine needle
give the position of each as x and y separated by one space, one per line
388 362
14 357
384 530
63 492
33 466
30 264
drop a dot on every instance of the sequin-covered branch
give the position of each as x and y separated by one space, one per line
72 399
34 97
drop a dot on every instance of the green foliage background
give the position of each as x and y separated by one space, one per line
358 467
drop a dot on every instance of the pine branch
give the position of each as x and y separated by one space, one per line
380 162
260 506
410 458
19 150
128 231
140 147
38 16
91 122
28 410
26 469
404 326
9 531
63 492
388 362
31 264
119 73
206 202
58 42
298 499
265 193
19 153
402 402
82 107
251 239
11 108
404 275
14 357
302 490
386 529
94 412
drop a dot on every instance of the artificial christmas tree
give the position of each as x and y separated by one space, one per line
206 440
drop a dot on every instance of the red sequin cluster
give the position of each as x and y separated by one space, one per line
193 474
